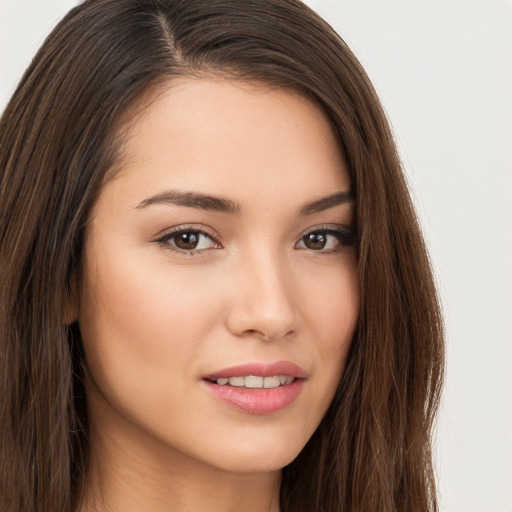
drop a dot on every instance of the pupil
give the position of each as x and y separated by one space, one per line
315 240
187 240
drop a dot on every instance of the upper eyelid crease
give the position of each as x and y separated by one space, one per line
165 237
186 229
346 231
344 234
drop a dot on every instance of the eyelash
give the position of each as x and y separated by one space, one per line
165 239
345 236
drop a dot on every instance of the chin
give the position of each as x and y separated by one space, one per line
254 457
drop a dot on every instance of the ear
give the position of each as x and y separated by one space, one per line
70 309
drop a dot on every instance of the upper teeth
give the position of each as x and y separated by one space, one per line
254 381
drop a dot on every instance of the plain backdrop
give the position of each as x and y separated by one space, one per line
443 70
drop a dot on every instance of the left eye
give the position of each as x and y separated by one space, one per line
188 240
321 241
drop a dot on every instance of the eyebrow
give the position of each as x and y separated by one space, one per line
193 200
324 203
219 204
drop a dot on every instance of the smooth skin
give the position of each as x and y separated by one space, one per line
175 287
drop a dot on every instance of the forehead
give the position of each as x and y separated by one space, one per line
216 133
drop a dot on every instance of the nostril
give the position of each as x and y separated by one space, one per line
255 333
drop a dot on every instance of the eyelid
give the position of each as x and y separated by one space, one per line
328 227
347 235
166 234
200 228
333 228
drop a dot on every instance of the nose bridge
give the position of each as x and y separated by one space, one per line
264 301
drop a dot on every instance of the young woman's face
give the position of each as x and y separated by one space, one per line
219 294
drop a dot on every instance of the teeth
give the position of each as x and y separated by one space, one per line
271 382
256 382
253 382
237 381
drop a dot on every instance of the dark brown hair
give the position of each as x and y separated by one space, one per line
58 139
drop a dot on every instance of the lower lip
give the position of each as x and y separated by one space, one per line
256 400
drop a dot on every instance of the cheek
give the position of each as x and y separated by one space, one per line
145 306
142 326
142 334
332 304
331 311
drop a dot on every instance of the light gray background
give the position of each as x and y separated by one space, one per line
443 70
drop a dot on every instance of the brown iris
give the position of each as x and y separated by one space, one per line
315 241
187 240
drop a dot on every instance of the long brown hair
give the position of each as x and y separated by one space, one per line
58 139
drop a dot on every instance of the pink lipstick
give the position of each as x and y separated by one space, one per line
257 388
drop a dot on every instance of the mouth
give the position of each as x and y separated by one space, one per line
257 388
255 381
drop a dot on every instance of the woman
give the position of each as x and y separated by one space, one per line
215 294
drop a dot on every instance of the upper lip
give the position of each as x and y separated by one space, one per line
260 369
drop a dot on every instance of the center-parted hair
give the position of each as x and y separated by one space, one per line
61 134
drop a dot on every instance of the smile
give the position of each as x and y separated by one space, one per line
255 381
257 388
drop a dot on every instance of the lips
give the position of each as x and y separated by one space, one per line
261 369
257 388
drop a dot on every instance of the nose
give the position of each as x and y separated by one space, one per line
263 299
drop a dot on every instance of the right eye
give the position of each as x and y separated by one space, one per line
188 241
